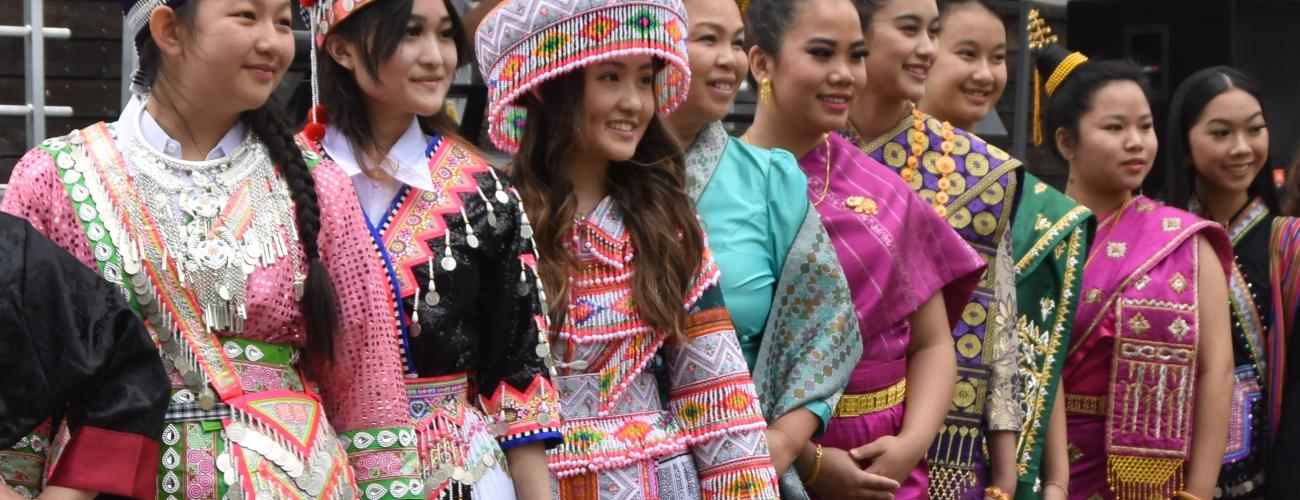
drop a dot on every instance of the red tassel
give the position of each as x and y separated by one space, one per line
307 3
314 131
318 114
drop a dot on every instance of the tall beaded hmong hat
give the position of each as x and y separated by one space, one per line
137 14
1051 59
524 43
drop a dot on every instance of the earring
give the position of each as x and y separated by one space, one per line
765 91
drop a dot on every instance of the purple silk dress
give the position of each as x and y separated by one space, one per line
896 253
1139 291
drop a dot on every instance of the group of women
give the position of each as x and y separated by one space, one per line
640 305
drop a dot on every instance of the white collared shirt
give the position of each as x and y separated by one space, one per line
153 133
376 196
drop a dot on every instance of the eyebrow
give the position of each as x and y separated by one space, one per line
1122 117
1225 121
822 40
712 26
909 16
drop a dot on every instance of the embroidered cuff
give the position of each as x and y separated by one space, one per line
747 481
727 407
386 462
22 466
109 462
521 417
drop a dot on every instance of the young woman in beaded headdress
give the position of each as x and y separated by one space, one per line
1218 147
226 238
782 282
464 387
72 350
906 269
656 397
1148 372
1049 235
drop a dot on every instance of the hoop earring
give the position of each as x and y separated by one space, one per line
765 91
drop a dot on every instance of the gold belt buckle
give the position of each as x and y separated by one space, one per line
853 405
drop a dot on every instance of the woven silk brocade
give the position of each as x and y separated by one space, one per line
982 192
1051 233
1134 344
896 254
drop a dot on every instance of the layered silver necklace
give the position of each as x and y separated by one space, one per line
219 220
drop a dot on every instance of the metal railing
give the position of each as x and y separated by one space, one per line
34 34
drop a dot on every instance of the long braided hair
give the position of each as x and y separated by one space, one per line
319 302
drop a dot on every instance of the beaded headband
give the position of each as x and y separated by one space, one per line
1053 59
137 14
524 43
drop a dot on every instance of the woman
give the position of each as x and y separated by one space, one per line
225 237
635 309
783 286
72 350
1049 236
807 57
455 246
1219 146
1148 371
974 186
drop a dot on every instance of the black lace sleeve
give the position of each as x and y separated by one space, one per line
513 376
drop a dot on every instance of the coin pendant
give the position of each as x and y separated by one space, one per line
449 263
472 240
501 197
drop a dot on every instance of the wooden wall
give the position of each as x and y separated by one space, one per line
83 72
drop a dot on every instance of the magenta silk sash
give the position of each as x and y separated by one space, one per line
1143 269
896 252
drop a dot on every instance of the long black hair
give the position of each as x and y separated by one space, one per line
319 302
647 189
375 31
1074 97
1185 109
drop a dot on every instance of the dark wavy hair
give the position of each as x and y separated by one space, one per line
649 192
1074 97
1185 109
376 31
319 302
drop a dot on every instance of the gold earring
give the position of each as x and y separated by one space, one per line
765 91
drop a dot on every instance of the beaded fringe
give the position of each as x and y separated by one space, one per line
1142 478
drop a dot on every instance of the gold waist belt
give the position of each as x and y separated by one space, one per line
1080 404
852 405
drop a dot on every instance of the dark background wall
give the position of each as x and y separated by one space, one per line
1172 39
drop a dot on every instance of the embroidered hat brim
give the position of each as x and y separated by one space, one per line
525 43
